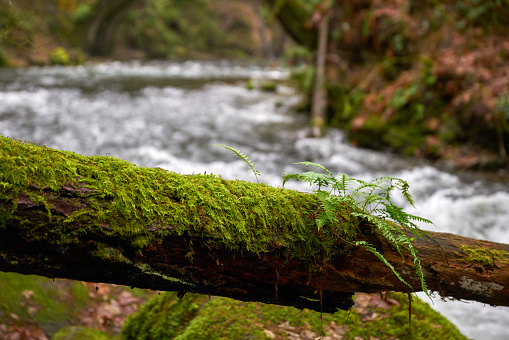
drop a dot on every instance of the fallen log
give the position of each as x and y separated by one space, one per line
101 219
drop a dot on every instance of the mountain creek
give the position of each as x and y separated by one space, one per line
166 114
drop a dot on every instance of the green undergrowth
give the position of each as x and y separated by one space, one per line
38 32
30 299
201 317
80 333
182 29
33 305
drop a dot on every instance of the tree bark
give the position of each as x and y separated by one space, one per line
294 17
319 103
100 219
101 31
266 41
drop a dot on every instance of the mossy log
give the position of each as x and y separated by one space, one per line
101 219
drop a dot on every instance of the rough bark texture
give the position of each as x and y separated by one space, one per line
65 215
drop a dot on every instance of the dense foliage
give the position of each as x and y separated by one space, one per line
425 78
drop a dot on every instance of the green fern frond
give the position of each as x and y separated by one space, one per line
288 176
317 165
312 178
375 252
369 201
420 219
243 157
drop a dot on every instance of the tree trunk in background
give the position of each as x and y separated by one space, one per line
101 31
101 219
319 102
268 50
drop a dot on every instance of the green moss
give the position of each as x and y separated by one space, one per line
60 56
109 254
38 303
484 257
268 86
167 316
79 333
250 84
426 322
198 317
124 200
29 297
4 61
82 13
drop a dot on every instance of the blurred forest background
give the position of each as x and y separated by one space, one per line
422 78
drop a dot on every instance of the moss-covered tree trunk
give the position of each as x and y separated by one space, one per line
101 219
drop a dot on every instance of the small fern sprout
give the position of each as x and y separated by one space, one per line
243 157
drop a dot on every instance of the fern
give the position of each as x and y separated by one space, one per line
243 157
370 201
351 201
375 252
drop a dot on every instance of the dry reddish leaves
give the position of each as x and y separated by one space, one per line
113 305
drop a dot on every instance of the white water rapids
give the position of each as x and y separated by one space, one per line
166 114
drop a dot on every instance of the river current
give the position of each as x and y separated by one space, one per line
166 114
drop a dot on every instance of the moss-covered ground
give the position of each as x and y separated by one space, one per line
63 309
39 300
36 307
201 317
80 332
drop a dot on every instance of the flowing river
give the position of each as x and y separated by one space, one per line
166 114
